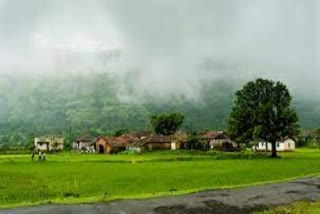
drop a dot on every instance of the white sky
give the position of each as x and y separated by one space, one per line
173 46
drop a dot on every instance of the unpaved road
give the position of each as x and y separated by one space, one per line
242 200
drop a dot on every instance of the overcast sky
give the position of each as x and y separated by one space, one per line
164 46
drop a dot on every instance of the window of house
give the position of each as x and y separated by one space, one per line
278 145
289 145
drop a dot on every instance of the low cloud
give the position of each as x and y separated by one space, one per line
161 48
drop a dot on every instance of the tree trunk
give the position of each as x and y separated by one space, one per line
266 146
274 150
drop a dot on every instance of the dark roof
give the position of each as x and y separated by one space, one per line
215 135
116 142
86 138
153 138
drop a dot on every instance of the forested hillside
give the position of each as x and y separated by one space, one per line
33 106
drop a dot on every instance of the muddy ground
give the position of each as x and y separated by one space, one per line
242 200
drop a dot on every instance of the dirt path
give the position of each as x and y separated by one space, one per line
242 200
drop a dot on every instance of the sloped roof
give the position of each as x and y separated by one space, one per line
153 138
279 140
215 135
116 142
86 138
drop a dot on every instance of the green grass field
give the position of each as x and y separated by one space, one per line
73 178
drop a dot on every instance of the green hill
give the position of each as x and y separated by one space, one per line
33 106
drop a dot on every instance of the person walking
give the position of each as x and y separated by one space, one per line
40 156
32 155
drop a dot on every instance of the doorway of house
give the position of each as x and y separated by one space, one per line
101 149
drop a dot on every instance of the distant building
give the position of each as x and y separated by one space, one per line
151 142
284 145
85 143
49 143
178 139
108 145
218 140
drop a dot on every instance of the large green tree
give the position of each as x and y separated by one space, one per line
167 124
262 110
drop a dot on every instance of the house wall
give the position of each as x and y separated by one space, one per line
158 146
75 145
108 148
81 145
279 146
288 145
102 143
45 144
41 147
175 145
217 143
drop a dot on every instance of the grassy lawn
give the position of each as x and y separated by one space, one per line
71 178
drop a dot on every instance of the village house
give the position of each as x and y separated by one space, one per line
48 144
178 139
108 145
151 142
85 143
284 145
218 140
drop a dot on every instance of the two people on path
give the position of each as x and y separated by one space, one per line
41 157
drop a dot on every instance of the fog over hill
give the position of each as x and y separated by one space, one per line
173 45
156 51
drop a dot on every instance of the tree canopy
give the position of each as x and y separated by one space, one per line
262 110
167 124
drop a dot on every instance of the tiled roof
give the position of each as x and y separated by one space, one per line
215 135
153 138
86 138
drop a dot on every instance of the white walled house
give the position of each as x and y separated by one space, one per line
48 144
86 142
218 140
285 145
